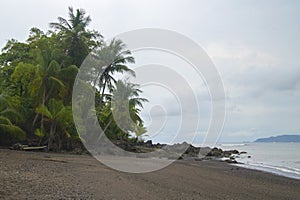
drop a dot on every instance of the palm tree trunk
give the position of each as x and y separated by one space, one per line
102 94
43 104
36 116
52 135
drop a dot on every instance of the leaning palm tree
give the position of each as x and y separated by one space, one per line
77 38
112 58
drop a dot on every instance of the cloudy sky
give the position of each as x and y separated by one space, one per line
255 45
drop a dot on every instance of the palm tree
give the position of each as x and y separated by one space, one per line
126 105
47 83
78 40
139 131
59 116
111 59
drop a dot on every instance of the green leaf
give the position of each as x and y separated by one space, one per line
55 107
40 132
5 120
12 114
43 110
53 67
56 80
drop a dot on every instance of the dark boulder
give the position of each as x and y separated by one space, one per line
148 143
215 152
231 152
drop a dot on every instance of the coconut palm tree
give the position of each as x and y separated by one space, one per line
78 40
126 105
112 58
59 117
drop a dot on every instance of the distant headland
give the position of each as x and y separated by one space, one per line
280 138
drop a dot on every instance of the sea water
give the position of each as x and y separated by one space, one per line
279 158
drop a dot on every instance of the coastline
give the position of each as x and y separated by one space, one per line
272 170
42 175
278 158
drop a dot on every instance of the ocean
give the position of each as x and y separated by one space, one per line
278 158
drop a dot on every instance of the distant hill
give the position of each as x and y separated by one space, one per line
280 138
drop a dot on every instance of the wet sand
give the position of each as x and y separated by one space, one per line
38 175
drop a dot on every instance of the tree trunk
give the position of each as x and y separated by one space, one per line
52 135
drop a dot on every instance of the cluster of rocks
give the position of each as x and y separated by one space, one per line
17 146
181 151
228 155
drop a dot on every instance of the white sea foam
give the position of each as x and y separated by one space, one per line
282 171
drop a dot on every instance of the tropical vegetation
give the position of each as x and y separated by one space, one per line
36 82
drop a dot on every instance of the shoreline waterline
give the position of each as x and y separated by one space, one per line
276 158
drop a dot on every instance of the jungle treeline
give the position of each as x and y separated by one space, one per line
36 83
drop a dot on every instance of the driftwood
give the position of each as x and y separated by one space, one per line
34 148
19 146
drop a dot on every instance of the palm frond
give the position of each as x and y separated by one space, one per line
40 132
12 114
13 130
5 120
57 81
54 107
58 26
64 22
43 110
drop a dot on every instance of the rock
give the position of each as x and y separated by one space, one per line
204 151
243 152
231 152
192 151
215 152
148 143
159 146
228 153
78 151
18 146
249 157
176 148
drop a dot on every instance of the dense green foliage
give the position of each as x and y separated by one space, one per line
36 82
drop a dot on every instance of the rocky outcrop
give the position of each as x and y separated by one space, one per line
219 153
175 151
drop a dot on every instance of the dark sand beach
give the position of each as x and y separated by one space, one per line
38 175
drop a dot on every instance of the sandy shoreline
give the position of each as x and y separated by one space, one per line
36 175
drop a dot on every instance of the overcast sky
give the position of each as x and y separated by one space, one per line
255 45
